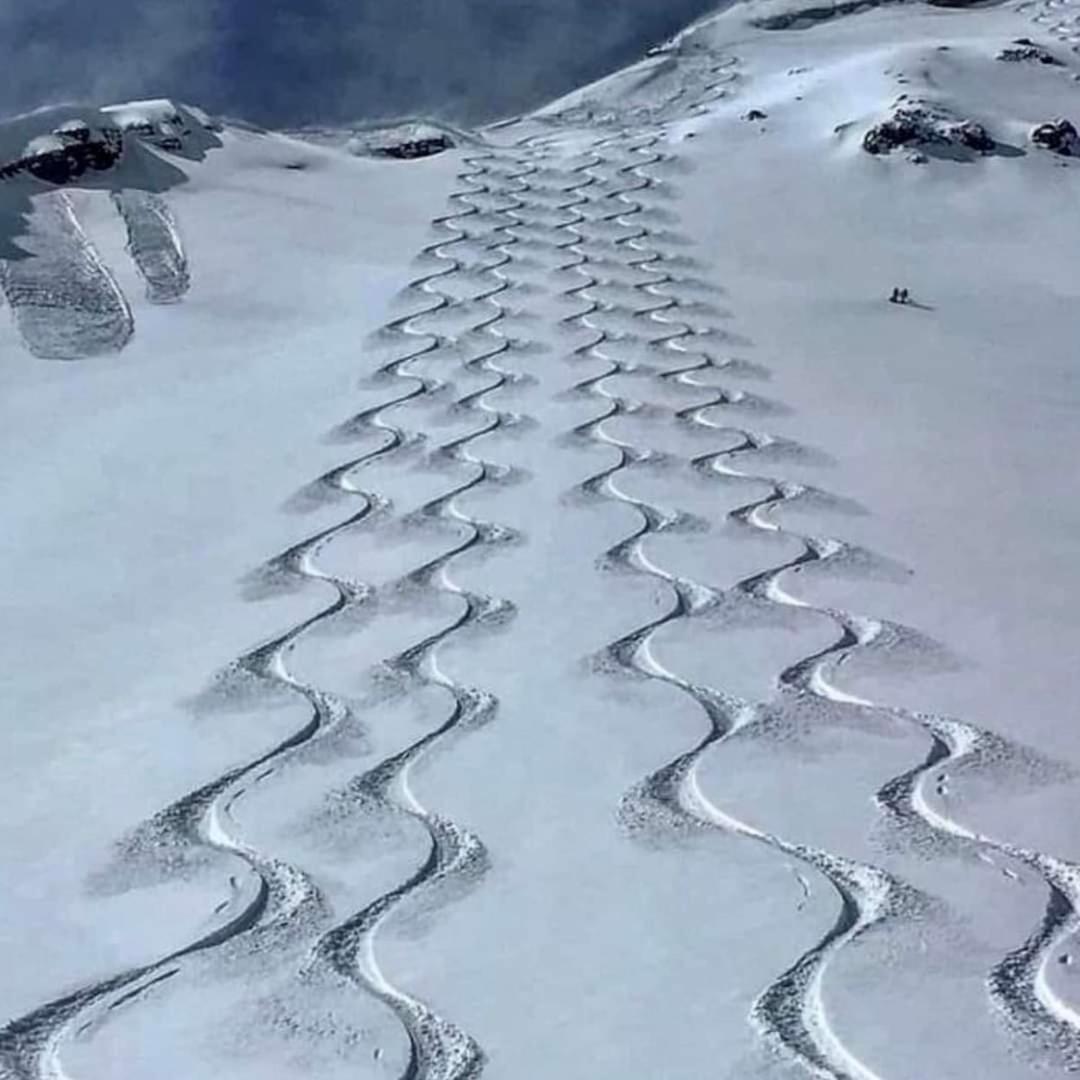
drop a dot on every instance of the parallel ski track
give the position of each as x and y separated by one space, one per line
791 1013
1017 985
285 897
439 1050
154 244
703 79
65 301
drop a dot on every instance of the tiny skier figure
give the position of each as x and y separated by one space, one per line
895 298
903 297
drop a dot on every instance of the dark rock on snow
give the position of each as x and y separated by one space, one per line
1026 50
1059 136
922 126
972 135
68 153
415 148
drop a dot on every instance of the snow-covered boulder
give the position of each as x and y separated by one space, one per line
926 126
405 141
414 148
1024 50
1060 136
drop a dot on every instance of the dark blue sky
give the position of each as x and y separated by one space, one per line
280 62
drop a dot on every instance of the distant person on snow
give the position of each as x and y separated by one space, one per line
899 296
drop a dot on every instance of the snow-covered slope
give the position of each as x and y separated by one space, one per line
539 609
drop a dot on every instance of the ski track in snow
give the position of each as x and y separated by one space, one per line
597 212
286 901
64 299
439 1050
65 302
154 244
791 1012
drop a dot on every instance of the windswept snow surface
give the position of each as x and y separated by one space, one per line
539 610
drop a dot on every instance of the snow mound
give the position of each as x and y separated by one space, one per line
179 129
403 141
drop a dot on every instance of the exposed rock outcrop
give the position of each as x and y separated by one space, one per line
95 140
161 123
415 148
403 141
68 152
1059 136
928 127
1024 50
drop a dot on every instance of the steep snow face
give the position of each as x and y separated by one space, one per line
539 609
295 61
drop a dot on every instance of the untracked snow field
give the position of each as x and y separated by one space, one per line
539 609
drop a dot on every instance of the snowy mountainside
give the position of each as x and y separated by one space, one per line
525 602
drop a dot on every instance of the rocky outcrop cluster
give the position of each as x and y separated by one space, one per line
402 141
921 126
415 148
1024 50
95 140
168 126
68 152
